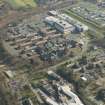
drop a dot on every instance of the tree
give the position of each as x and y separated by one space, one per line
101 95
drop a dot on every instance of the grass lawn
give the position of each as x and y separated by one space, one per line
1 2
22 3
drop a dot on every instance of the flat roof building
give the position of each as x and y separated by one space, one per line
53 13
51 20
64 27
60 25
74 22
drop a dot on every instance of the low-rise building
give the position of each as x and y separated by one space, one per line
51 20
78 25
64 27
60 91
60 25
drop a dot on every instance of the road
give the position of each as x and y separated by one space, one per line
54 67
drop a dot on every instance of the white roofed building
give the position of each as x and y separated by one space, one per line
50 20
53 13
76 23
60 25
64 27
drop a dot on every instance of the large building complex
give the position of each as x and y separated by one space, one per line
60 25
58 91
53 39
64 23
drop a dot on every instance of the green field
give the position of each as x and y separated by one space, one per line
22 3
1 2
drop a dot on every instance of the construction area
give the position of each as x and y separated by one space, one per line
51 39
